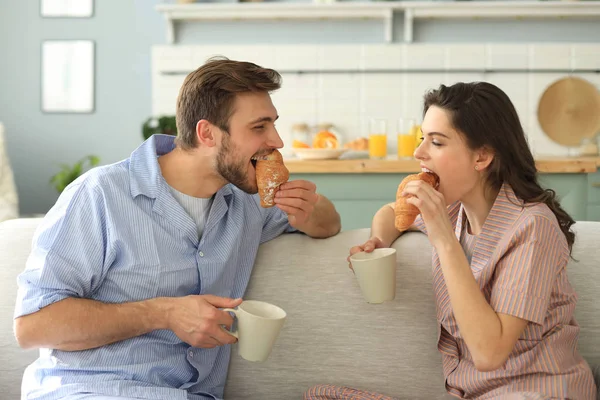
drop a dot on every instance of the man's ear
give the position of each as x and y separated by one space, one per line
485 156
206 133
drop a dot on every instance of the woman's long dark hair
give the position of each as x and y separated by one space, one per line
484 114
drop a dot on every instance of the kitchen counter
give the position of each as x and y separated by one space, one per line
576 181
552 165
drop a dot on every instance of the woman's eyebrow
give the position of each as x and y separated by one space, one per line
438 134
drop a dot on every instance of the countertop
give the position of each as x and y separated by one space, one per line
553 165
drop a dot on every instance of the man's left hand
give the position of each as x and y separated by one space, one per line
297 199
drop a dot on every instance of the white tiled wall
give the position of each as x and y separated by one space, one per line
349 99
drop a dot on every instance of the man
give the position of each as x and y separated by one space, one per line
130 269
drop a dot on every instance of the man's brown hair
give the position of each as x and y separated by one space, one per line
209 93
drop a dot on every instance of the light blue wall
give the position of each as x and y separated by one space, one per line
124 32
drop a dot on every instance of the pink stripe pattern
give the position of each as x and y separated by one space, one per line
330 392
519 260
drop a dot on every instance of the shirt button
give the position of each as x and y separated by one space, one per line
191 353
201 254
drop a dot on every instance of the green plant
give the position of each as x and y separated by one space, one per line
69 173
165 125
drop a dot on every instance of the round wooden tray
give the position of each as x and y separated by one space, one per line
569 111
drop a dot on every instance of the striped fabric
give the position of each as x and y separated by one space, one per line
519 260
117 235
330 392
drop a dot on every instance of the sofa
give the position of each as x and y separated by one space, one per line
9 201
331 334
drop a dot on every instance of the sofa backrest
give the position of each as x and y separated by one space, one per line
15 245
584 275
331 335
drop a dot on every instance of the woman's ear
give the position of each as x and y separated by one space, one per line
485 156
206 133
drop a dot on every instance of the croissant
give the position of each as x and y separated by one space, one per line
407 213
270 173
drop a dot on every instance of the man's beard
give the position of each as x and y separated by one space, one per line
234 172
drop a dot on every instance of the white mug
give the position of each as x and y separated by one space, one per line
258 325
376 274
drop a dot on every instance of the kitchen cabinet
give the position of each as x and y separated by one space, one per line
593 197
356 197
571 190
593 188
593 212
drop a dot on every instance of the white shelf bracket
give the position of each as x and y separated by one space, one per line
409 15
170 28
388 25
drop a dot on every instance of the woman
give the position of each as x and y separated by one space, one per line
500 249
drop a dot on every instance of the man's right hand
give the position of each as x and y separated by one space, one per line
197 320
370 245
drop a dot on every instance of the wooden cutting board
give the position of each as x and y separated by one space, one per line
569 111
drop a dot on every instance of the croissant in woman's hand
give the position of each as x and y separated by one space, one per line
407 213
270 173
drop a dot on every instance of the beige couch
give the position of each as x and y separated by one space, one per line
9 201
331 335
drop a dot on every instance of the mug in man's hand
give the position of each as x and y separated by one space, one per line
258 325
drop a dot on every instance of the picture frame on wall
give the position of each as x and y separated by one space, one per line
67 8
67 76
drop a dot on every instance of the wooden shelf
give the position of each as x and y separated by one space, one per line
552 165
382 10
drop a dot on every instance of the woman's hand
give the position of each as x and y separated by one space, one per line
433 210
370 245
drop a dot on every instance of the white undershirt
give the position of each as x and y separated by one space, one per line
196 207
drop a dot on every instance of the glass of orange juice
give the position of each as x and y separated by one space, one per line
377 138
407 137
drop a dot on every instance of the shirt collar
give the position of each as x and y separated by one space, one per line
505 210
144 172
